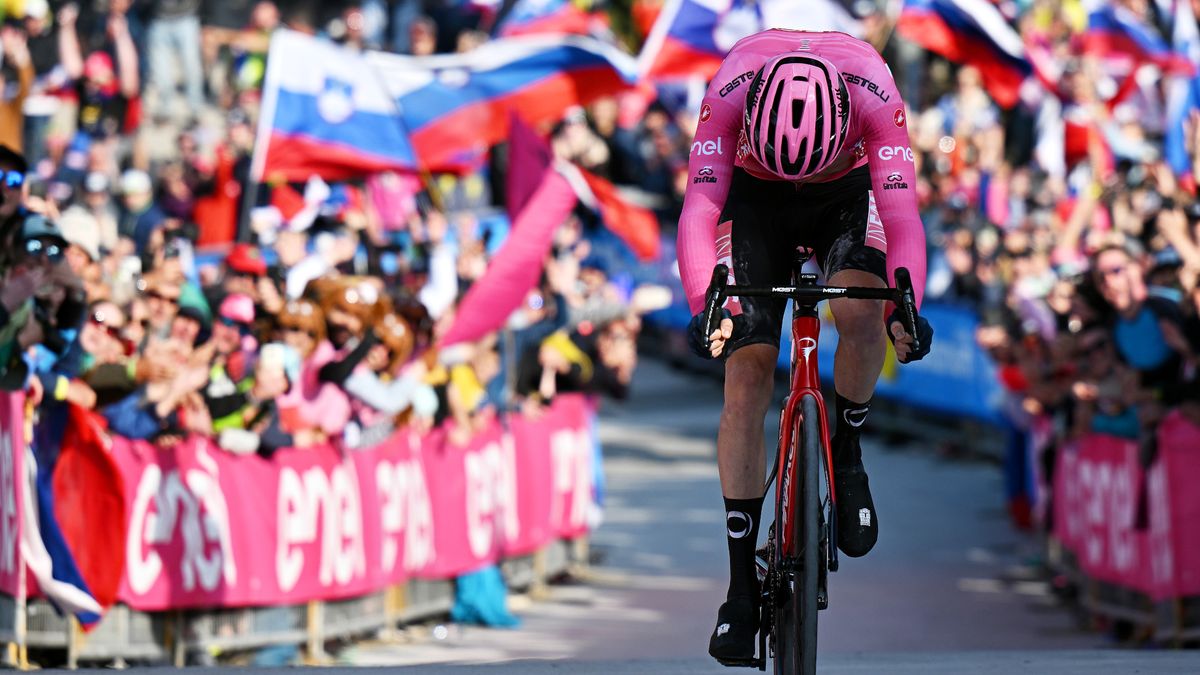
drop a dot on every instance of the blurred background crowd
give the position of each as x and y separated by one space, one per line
141 279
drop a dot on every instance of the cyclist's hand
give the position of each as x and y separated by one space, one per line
903 341
717 339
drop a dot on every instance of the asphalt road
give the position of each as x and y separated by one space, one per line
946 590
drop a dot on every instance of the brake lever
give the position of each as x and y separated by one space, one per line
713 299
908 306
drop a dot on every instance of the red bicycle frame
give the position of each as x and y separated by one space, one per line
805 381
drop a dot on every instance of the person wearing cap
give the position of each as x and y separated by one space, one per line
82 234
28 294
97 201
230 375
140 216
246 259
104 85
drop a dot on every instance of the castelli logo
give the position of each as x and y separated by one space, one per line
705 112
898 117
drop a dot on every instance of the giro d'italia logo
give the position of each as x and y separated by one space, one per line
335 103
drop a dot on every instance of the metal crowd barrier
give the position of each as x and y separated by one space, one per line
179 637
1173 622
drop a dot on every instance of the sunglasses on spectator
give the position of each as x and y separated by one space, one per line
1112 271
244 329
98 320
13 179
46 249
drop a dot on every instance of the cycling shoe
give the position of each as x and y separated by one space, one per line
733 640
857 522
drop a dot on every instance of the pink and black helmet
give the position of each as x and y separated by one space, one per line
797 114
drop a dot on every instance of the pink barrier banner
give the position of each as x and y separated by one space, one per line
209 529
1097 487
12 476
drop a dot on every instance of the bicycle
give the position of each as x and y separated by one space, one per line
794 565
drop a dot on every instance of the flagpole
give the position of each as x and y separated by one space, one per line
262 136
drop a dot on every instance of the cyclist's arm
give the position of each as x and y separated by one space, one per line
894 183
710 170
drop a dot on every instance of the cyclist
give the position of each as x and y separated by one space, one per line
802 140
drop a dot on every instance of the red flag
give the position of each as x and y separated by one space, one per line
528 157
289 202
517 265
635 225
89 502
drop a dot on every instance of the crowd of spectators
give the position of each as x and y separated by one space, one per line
1062 224
138 280
128 128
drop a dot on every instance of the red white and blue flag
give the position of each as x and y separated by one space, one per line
325 112
338 113
530 17
1118 34
972 32
691 37
456 106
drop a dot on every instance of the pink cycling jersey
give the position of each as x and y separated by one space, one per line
878 136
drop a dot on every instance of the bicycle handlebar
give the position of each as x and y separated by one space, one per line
719 289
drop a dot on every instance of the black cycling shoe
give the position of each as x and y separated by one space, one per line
732 641
857 523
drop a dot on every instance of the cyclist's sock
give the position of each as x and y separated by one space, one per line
850 419
741 523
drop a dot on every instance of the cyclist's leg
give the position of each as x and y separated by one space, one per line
749 381
848 254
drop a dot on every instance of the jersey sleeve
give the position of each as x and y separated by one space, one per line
710 170
893 175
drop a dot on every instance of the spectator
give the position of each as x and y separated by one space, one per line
16 75
49 77
173 41
106 81
1147 330
141 216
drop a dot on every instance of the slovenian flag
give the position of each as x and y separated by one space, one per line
691 37
456 106
1119 34
339 113
530 17
971 32
325 112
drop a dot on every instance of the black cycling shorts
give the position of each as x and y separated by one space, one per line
771 219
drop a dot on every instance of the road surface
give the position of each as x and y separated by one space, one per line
946 589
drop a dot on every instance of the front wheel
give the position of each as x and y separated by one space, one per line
799 569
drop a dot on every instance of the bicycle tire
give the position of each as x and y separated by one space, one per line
796 611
